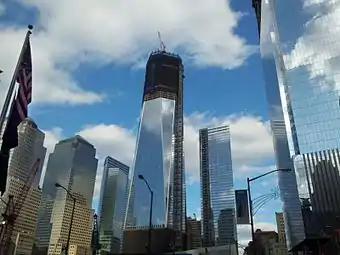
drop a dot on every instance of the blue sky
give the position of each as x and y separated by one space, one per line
89 61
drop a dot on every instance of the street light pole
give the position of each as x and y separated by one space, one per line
150 215
72 215
251 210
249 195
150 221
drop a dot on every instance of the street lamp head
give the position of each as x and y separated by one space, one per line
285 170
57 185
140 176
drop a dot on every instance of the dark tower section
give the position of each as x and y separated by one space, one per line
162 76
164 79
257 7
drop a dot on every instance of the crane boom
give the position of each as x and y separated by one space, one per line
162 45
13 208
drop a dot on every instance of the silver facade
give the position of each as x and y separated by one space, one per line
311 63
306 62
73 165
112 207
154 160
159 155
217 187
318 179
280 116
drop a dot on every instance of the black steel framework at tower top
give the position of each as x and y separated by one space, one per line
257 7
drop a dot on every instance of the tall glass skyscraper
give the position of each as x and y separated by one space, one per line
217 187
112 204
159 153
73 165
275 89
301 67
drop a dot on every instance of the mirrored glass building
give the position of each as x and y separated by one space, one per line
159 153
301 57
217 188
112 204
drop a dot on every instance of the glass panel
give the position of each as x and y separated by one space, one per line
154 160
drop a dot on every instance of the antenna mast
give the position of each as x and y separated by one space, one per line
161 43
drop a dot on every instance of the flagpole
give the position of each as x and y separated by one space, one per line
12 84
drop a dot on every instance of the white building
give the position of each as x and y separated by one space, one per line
22 159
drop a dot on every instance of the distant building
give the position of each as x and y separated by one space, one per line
217 187
268 240
22 161
73 165
318 181
194 233
113 200
280 227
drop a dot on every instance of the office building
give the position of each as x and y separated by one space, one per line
217 187
268 241
280 227
301 71
30 148
194 233
159 153
112 205
73 165
22 168
269 17
318 180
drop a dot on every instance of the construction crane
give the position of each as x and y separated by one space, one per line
161 43
95 236
13 208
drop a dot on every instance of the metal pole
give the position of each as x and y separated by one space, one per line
150 222
70 229
251 210
16 243
12 84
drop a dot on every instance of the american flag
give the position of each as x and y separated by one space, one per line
18 111
24 78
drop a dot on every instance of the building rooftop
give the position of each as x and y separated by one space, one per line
31 122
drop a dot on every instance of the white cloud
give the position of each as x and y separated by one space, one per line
51 82
251 142
317 48
122 32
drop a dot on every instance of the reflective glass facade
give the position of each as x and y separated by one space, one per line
281 114
311 56
73 165
303 65
217 187
154 160
113 204
159 153
318 179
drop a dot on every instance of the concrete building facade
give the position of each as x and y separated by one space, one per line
73 165
22 165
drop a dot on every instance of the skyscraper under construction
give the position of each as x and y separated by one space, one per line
159 155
